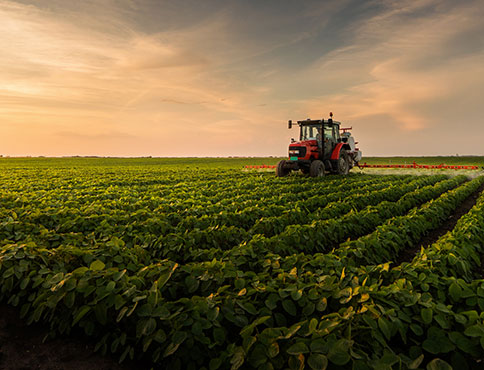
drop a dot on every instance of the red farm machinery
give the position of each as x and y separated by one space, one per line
323 147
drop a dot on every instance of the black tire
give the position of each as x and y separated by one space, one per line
316 169
281 170
343 164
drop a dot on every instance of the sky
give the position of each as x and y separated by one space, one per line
222 78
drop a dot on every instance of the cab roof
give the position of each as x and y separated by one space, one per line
308 122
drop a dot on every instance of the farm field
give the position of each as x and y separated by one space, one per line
195 263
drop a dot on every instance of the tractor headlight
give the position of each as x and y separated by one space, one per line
293 152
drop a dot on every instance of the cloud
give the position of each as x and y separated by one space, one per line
399 62
134 74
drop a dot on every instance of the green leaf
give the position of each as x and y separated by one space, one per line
313 294
171 349
97 265
461 319
261 320
438 364
56 278
296 295
385 327
313 324
239 283
121 313
146 343
110 286
192 283
437 341
426 314
213 313
145 327
215 363
322 304
80 270
338 353
124 354
25 281
248 342
179 337
80 314
273 350
118 275
289 307
416 363
247 306
292 330
417 329
238 358
298 348
455 291
160 336
475 331
442 321
463 343
271 301
317 361
318 345
166 276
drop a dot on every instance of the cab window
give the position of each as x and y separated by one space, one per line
336 133
309 132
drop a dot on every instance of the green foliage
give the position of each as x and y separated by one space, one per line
219 268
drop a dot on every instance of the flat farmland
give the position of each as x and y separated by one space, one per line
192 264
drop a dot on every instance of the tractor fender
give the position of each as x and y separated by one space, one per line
336 151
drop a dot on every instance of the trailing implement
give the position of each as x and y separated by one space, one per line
320 149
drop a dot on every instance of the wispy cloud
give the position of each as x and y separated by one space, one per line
402 65
121 77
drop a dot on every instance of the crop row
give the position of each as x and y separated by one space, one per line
142 227
60 191
123 204
388 240
208 244
218 312
326 234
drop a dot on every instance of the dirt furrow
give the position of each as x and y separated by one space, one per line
408 254
22 348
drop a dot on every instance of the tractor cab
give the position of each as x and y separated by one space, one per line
320 148
316 138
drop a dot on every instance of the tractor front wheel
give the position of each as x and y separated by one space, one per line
281 170
343 166
316 169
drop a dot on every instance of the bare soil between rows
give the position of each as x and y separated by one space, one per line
408 254
21 348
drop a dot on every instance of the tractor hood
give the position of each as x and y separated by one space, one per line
303 150
304 143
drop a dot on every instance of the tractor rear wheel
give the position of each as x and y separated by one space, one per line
316 169
281 170
343 165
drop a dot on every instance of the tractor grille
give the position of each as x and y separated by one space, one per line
297 151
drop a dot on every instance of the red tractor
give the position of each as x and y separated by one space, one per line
320 149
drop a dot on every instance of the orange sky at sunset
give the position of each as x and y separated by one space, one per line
220 78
